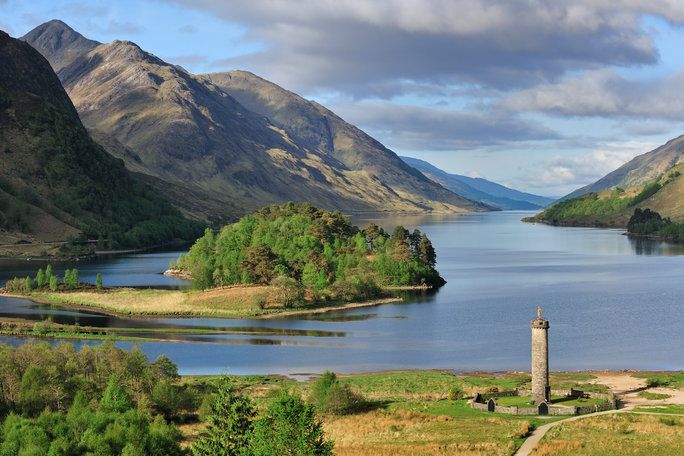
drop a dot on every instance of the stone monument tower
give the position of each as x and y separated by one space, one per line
540 359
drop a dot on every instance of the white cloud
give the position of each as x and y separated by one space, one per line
359 46
586 168
604 93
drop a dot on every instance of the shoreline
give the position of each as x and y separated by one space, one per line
180 315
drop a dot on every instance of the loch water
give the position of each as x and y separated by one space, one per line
612 302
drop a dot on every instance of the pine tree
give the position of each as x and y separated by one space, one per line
426 252
230 424
290 427
40 278
54 283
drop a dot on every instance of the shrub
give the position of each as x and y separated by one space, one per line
654 382
668 421
330 396
342 400
455 393
98 281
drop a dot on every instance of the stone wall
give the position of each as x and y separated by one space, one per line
553 409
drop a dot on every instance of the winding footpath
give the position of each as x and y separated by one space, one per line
625 388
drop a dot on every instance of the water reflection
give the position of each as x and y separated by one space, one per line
645 246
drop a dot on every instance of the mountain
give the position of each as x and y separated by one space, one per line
55 181
479 189
640 170
59 43
219 158
652 180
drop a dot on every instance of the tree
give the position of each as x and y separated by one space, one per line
200 261
288 291
48 273
230 424
426 252
98 281
54 283
290 427
32 392
40 278
259 263
115 398
71 278
28 284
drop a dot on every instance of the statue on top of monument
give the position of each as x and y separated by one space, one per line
539 313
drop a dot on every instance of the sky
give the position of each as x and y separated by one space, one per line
542 96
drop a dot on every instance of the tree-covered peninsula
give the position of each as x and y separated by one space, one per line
313 252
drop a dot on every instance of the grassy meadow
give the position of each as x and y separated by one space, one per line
227 302
615 434
411 412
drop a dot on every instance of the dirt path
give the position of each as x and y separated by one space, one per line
626 388
531 443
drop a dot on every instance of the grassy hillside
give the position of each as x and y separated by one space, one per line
614 207
55 181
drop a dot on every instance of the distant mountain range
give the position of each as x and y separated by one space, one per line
55 181
223 144
652 180
479 189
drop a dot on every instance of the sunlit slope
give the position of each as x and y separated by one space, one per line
614 207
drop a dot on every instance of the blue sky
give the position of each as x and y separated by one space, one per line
541 96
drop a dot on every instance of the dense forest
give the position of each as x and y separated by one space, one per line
319 251
101 400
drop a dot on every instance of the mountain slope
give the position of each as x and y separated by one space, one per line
652 180
640 170
316 128
55 181
218 158
479 189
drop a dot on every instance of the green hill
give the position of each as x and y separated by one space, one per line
317 252
615 206
55 181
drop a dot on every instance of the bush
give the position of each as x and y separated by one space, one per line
98 281
331 396
654 382
455 393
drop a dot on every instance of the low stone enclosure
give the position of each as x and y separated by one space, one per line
479 402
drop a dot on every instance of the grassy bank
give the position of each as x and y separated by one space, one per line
256 301
409 413
615 434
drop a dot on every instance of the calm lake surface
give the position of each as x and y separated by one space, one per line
613 303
